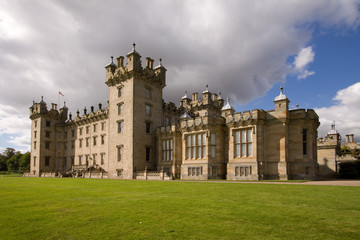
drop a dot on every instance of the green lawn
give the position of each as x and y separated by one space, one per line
51 208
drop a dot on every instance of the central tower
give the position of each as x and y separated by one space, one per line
135 111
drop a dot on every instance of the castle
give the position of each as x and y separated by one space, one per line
139 136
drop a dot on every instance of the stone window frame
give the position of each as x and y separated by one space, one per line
94 127
80 142
87 129
80 158
147 153
213 145
304 141
119 152
103 126
94 155
47 123
148 109
243 170
47 145
47 134
102 158
243 148
34 158
94 140
120 91
120 108
148 92
34 145
148 127
80 131
196 149
120 126
87 141
47 161
102 141
195 171
167 149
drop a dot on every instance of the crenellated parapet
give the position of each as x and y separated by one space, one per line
200 123
91 117
167 130
245 118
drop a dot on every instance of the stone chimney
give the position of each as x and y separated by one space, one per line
149 63
195 96
120 61
351 138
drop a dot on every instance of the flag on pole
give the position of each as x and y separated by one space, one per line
61 93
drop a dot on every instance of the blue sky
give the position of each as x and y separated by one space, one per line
244 49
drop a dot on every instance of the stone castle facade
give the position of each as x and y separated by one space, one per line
330 157
139 136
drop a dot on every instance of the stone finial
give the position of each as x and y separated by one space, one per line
85 111
281 96
206 89
134 45
185 96
78 113
92 109
160 62
219 96
333 130
297 106
227 106
70 116
100 105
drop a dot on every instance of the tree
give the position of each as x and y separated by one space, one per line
24 162
3 165
8 153
4 157
13 162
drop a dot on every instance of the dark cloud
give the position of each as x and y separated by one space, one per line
237 47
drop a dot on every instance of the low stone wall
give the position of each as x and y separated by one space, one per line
152 175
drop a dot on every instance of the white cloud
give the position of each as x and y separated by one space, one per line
16 123
345 112
237 47
302 61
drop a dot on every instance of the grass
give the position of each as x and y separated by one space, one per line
65 208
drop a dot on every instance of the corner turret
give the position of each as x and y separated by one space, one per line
110 68
160 71
133 61
282 104
227 109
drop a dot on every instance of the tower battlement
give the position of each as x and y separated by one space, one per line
40 109
116 74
